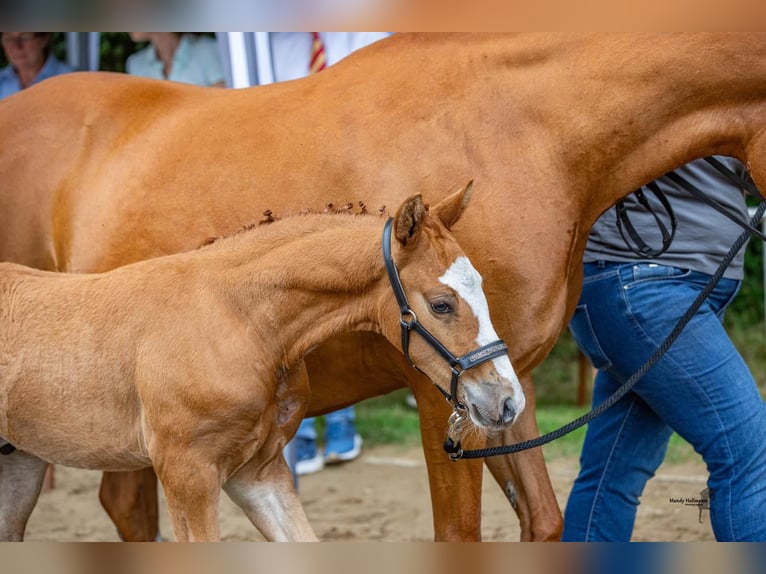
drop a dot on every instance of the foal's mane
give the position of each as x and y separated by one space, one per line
269 218
285 251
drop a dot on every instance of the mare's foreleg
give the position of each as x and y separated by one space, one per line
755 151
455 487
21 479
524 478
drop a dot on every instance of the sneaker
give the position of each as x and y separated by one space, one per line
343 442
308 459
411 401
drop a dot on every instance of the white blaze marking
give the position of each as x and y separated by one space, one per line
466 281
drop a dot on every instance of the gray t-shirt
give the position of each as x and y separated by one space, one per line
703 236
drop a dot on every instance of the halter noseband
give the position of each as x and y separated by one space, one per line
458 364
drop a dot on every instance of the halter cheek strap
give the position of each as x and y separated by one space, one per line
409 322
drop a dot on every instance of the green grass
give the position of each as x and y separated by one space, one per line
750 340
388 420
551 417
679 451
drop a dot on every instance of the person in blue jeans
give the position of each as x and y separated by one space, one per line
701 388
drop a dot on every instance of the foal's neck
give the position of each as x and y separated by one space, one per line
307 278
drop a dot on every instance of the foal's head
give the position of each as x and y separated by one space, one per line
443 292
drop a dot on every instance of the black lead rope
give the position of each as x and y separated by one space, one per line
626 229
715 205
630 383
745 183
638 246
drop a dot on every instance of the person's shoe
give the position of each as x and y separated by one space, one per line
343 442
308 458
411 401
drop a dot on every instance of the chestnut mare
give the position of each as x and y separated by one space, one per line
99 170
191 363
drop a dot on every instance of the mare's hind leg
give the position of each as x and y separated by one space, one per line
21 479
524 478
130 500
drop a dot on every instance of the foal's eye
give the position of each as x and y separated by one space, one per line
441 307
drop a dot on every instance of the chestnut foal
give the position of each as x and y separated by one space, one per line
193 363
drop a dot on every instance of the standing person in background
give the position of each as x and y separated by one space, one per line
178 56
295 55
29 61
701 388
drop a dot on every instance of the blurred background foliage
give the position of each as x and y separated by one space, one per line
115 49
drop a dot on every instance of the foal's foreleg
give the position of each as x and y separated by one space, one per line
192 490
21 478
266 494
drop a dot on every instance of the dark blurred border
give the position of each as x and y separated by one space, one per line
381 558
395 15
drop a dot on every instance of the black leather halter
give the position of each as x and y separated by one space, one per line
409 322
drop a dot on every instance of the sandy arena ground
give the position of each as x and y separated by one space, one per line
381 496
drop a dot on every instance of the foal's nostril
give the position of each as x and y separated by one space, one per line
509 411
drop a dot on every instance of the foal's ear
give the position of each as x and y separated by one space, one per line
449 209
408 219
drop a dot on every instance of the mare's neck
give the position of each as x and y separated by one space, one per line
687 96
619 110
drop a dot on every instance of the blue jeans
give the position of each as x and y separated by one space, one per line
701 388
306 429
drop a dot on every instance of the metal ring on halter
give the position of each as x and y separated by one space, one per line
412 321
